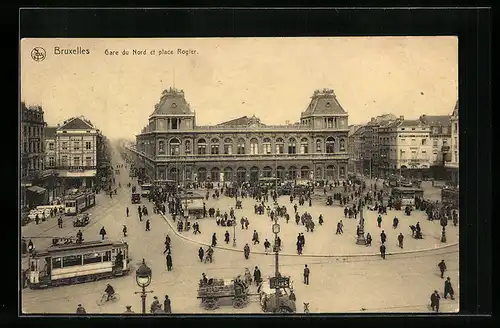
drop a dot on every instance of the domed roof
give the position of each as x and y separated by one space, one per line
172 101
324 102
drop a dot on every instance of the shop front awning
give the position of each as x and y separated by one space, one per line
37 189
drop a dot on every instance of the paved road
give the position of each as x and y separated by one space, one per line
401 283
323 241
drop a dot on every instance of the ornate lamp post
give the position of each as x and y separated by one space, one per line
361 234
276 231
234 233
143 279
444 223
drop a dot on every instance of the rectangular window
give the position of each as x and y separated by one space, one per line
52 162
64 145
88 145
56 263
76 145
51 146
88 161
456 128
175 124
92 258
72 260
76 161
64 161
424 142
214 149
201 149
228 149
106 257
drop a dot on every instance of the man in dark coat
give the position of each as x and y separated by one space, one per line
442 268
226 237
102 233
257 276
306 275
148 225
169 262
435 301
395 223
379 221
400 240
214 240
448 289
167 305
383 237
127 211
201 252
382 251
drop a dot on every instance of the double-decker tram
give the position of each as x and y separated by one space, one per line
78 202
74 263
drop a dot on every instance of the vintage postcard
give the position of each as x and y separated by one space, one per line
239 175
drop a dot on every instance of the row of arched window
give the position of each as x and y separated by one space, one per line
292 146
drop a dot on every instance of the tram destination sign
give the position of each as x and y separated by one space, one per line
279 282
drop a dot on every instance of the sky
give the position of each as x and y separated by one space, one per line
226 78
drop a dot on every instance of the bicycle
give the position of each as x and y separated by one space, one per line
104 299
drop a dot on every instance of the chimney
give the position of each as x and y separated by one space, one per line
402 117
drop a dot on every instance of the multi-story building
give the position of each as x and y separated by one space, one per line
370 150
405 148
354 148
32 156
50 147
440 135
75 155
453 164
172 146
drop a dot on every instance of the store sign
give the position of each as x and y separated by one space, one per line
279 282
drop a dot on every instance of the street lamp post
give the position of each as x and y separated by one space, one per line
361 234
234 233
444 223
143 279
276 230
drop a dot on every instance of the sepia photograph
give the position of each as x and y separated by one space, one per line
172 176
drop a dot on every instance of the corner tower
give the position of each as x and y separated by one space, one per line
172 112
324 112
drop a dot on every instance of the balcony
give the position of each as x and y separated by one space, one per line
77 168
250 157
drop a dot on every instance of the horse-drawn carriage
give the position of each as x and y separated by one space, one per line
238 205
214 290
82 221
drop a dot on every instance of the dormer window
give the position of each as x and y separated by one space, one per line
328 104
174 105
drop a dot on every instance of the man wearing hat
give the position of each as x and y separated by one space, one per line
166 305
155 305
80 309
129 309
435 301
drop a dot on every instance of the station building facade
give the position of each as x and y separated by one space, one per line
172 146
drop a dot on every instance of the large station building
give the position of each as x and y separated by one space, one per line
172 146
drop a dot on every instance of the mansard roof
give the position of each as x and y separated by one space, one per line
76 123
172 101
455 111
243 121
323 102
50 132
436 120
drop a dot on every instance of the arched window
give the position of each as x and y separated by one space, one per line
241 146
267 172
280 146
280 173
215 174
174 146
305 172
342 145
228 147
228 174
304 146
202 147
266 146
187 149
161 147
330 145
292 146
254 146
318 146
202 174
292 173
214 147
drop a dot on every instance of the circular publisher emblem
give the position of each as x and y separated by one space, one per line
38 54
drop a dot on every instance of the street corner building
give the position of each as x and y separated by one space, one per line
173 147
